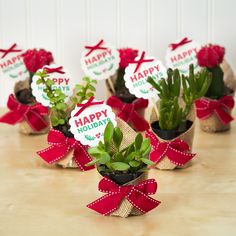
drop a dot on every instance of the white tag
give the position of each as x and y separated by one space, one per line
88 127
62 81
101 63
12 67
182 57
137 82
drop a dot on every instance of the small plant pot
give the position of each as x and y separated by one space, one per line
126 208
213 124
23 94
185 133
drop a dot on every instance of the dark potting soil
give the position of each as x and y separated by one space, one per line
170 134
65 129
25 96
125 96
119 177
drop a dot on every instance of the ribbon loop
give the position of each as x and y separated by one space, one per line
206 107
140 61
129 112
54 70
9 50
61 145
180 43
137 195
177 151
95 47
87 104
33 115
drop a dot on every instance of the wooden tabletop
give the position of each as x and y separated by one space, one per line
36 199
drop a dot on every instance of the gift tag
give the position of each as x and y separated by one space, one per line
181 54
12 65
61 78
88 121
100 61
136 75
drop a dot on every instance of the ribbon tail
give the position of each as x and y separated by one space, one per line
224 116
139 122
11 118
53 154
106 204
81 158
36 121
142 201
179 158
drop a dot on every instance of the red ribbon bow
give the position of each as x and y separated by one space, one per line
33 115
54 70
175 150
140 61
128 111
87 104
9 50
61 145
137 195
95 47
206 107
182 42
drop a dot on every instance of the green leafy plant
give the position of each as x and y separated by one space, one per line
60 110
171 113
109 156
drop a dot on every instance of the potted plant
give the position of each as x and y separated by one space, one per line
172 132
60 139
124 167
31 116
124 104
214 110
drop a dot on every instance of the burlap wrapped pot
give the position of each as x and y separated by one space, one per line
187 136
126 208
68 161
212 124
24 127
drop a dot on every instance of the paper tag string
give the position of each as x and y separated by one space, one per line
9 50
95 47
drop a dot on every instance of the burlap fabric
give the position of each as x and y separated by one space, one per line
68 161
126 208
212 124
229 77
187 136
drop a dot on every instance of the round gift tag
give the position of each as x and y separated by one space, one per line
59 76
100 62
136 79
88 121
181 54
12 65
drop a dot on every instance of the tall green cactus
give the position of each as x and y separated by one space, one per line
171 113
216 89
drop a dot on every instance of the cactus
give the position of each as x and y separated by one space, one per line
171 114
216 89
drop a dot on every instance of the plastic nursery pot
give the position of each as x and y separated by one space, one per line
120 178
170 134
185 132
126 208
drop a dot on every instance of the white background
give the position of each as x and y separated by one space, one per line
65 26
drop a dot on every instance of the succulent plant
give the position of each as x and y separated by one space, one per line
109 156
60 110
171 113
